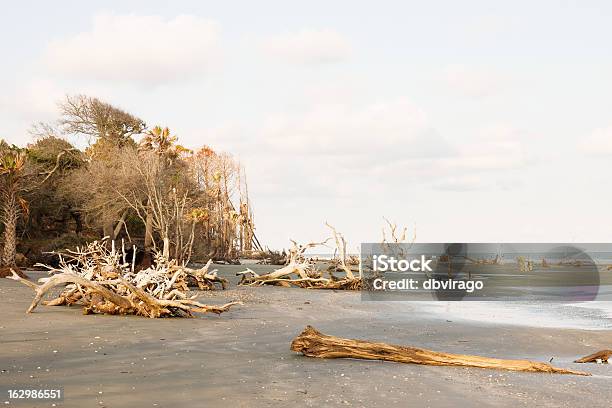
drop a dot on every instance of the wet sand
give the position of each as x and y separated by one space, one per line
242 358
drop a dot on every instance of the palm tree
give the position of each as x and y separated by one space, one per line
12 164
159 140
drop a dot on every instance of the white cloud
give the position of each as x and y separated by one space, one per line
26 103
497 147
334 150
309 47
139 49
598 143
341 129
35 99
473 82
458 184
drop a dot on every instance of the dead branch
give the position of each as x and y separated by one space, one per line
387 246
312 343
341 248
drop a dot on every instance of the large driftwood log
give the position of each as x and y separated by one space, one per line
312 343
603 356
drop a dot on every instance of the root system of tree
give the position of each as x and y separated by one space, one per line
303 272
103 280
312 343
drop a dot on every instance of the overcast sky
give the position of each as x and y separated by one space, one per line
473 121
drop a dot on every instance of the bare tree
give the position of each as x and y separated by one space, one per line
93 187
227 219
91 117
113 129
160 196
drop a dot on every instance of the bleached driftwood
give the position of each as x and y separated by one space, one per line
297 264
389 244
301 271
312 343
103 282
205 279
341 248
99 299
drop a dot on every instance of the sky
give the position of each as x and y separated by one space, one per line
472 121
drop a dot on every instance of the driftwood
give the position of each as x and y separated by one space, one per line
269 257
601 357
302 272
341 262
312 343
297 264
204 279
104 282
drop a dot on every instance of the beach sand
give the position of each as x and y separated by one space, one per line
242 358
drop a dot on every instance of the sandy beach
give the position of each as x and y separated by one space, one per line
242 357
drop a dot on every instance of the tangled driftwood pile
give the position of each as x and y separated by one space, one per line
303 272
313 343
104 281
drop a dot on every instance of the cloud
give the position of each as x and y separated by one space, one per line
34 99
497 147
598 143
308 47
473 82
334 150
26 103
460 184
139 49
341 129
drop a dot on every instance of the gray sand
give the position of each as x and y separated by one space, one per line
242 357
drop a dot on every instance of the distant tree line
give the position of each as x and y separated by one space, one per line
133 184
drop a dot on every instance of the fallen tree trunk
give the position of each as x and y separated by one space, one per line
312 343
603 356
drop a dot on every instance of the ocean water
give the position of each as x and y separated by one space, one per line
593 315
